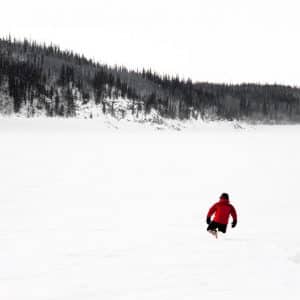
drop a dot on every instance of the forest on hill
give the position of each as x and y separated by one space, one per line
37 78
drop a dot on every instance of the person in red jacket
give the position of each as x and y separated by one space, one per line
221 211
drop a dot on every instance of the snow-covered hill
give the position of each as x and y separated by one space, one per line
120 113
39 79
90 212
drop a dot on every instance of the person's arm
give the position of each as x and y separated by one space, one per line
234 216
211 211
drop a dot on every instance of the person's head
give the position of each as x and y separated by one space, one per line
224 196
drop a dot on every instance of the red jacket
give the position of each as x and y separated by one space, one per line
222 210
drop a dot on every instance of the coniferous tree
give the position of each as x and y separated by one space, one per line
46 78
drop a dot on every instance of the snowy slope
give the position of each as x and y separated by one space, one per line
90 212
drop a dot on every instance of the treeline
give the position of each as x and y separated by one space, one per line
40 77
46 78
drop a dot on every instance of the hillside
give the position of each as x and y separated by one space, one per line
42 79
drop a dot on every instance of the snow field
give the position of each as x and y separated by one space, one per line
90 212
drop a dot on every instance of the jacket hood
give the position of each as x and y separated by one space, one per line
224 200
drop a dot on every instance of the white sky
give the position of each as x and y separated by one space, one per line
206 40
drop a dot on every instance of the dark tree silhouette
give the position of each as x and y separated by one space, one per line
41 77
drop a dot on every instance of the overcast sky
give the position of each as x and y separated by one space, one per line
211 40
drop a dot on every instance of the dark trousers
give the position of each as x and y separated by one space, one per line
217 226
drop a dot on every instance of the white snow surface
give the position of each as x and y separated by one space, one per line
91 212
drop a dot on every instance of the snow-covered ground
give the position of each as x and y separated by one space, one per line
91 212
